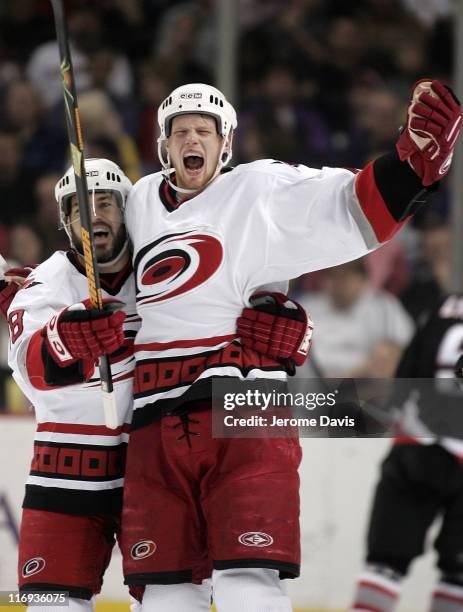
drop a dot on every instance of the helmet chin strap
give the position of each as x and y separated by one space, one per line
167 168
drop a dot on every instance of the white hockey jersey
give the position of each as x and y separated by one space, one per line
196 265
78 463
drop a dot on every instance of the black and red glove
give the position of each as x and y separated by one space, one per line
14 278
277 327
80 332
434 122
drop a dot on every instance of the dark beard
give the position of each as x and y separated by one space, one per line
119 242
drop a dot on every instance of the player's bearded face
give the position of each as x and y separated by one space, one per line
107 223
194 147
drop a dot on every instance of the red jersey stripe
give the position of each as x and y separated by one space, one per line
377 587
77 428
374 207
162 346
449 596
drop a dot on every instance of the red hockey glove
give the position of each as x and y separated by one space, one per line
18 275
7 293
80 332
434 122
9 288
277 327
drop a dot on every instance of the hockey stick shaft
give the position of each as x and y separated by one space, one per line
76 144
3 265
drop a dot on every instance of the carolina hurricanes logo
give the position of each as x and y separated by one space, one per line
143 549
176 264
33 566
255 538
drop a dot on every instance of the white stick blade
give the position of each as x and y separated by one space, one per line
110 411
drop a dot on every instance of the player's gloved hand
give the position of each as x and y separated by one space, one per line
434 122
277 327
7 293
80 332
10 284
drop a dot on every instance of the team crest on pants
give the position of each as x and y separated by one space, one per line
143 549
176 264
33 566
255 538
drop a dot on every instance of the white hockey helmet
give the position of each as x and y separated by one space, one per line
197 98
201 99
102 175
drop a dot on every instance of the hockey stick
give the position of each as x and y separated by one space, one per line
77 155
3 266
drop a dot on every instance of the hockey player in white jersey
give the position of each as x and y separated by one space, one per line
205 237
71 509
74 491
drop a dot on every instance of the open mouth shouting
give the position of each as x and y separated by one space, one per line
193 164
101 234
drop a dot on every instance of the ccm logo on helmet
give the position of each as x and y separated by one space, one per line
255 538
33 566
176 264
143 549
190 96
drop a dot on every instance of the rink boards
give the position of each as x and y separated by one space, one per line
337 479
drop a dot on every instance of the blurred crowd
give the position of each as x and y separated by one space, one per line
320 82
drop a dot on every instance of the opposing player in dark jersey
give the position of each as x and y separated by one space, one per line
422 475
205 238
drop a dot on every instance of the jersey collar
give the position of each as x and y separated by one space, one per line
168 196
111 282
